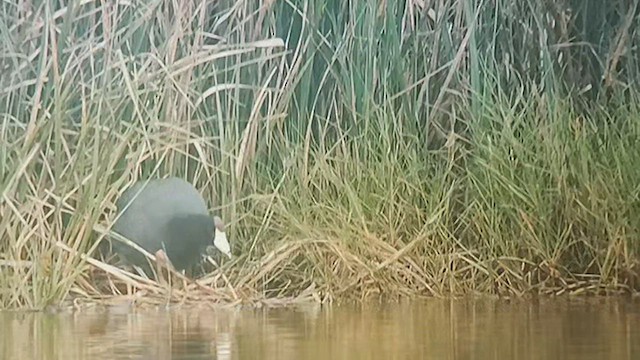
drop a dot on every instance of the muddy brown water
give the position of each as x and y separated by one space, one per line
436 329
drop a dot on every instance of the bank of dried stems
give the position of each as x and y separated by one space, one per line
362 149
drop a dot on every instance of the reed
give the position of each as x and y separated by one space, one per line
355 149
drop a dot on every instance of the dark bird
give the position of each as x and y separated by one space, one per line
169 215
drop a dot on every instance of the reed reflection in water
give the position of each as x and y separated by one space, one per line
437 329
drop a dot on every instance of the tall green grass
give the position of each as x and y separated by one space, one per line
355 148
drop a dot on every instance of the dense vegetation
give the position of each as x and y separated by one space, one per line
356 148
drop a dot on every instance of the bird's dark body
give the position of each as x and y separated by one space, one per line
164 214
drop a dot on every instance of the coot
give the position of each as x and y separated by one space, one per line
167 214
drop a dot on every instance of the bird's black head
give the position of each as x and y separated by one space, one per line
187 237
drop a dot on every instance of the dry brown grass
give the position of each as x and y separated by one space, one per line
348 159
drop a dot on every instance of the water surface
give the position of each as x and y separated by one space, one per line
437 329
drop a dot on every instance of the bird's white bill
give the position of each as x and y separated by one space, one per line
220 242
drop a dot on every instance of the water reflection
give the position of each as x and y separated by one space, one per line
437 329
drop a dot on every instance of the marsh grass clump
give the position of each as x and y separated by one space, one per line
355 149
